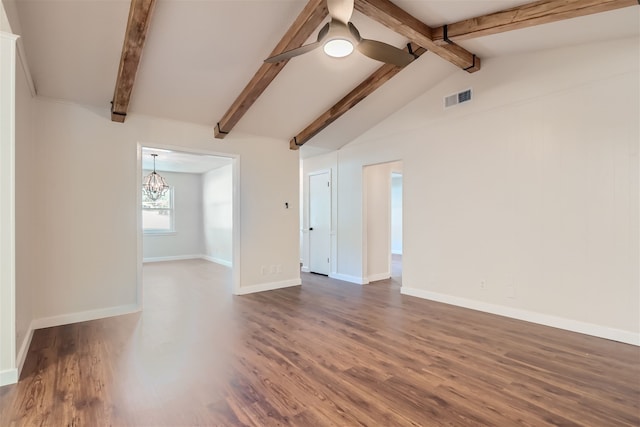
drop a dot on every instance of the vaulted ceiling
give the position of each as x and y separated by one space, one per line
199 56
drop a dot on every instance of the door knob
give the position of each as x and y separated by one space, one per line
310 228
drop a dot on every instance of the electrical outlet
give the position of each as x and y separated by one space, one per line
511 292
483 284
263 270
278 268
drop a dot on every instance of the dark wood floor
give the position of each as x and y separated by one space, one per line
326 353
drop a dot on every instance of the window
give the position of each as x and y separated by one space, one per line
157 217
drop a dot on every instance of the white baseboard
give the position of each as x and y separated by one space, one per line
217 260
24 348
347 278
8 376
305 269
171 258
379 276
11 376
268 286
529 316
83 316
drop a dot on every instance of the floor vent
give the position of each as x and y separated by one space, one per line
457 98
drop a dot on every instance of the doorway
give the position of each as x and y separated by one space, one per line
382 221
320 223
396 224
202 199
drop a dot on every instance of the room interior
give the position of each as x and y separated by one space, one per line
515 124
201 224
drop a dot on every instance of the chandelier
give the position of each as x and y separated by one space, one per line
153 185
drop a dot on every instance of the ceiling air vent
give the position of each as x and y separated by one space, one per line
457 98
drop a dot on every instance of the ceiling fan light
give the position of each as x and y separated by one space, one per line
338 48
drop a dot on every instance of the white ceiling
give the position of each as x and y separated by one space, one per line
177 161
200 54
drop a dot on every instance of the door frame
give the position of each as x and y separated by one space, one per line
235 172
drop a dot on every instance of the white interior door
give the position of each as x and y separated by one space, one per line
319 223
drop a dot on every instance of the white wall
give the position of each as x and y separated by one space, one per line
396 214
8 369
217 196
530 189
90 227
19 249
5 26
27 245
187 239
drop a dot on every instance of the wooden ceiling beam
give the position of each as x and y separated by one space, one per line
303 27
364 89
395 18
528 15
388 14
137 26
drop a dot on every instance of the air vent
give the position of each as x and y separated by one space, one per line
457 98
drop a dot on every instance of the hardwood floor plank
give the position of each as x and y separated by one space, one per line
328 353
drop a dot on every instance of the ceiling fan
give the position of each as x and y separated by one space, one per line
339 38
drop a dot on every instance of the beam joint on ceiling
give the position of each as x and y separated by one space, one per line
364 89
136 33
527 15
395 18
219 131
302 28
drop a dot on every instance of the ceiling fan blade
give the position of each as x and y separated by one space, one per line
293 52
302 49
323 32
354 32
384 52
340 10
